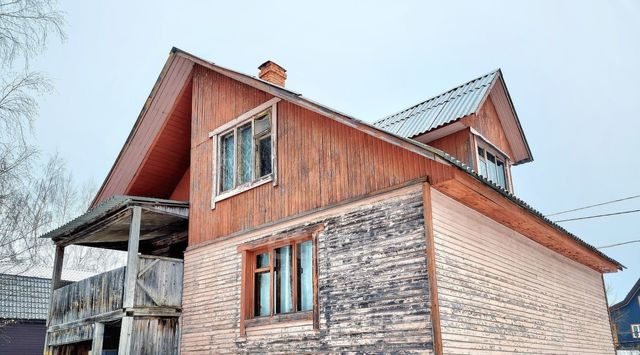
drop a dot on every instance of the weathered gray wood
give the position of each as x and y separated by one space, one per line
55 283
88 298
126 332
161 283
373 287
132 258
155 336
98 337
70 335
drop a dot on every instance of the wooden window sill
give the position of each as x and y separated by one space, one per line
242 188
280 319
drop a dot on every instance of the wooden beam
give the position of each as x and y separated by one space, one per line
130 277
98 337
132 258
56 279
431 269
126 330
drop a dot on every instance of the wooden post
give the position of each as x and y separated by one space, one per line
431 269
56 281
98 336
131 274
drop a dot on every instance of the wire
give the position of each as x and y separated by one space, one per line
596 205
617 244
597 216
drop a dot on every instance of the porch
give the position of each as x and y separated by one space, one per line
131 306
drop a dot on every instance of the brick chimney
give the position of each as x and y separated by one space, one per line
272 73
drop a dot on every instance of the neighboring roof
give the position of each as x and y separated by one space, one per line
630 296
24 292
439 110
390 137
44 272
111 206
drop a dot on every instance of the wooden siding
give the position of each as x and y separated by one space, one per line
320 161
147 129
501 292
457 144
151 336
487 122
159 283
88 298
373 289
181 192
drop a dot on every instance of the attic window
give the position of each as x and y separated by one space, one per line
244 152
492 166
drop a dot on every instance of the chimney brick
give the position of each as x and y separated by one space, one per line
272 73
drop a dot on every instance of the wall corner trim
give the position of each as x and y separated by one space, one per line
431 269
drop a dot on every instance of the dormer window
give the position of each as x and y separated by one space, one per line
493 165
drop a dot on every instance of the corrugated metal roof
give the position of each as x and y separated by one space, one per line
437 111
24 291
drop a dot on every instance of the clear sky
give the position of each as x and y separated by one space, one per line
572 68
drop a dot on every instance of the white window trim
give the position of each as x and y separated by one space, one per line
633 335
232 125
483 143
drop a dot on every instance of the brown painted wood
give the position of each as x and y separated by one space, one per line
457 144
431 269
320 161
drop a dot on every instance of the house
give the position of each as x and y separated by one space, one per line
24 301
257 220
625 316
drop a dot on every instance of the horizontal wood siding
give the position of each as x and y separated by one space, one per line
71 335
89 297
502 292
320 161
373 290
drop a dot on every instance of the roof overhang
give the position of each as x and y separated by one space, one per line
630 297
107 225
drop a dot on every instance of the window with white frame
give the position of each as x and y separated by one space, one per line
244 155
635 331
492 165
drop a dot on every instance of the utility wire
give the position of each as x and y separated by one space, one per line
597 216
617 244
596 205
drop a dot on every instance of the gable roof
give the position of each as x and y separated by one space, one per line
370 129
453 105
630 296
439 110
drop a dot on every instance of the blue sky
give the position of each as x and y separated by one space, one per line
571 68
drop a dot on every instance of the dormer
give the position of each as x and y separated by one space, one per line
475 122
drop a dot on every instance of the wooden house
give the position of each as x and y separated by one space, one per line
625 316
258 221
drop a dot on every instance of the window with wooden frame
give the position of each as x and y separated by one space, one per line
279 281
244 153
493 165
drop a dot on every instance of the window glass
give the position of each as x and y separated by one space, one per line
635 330
227 162
264 156
262 260
491 166
262 124
245 163
305 277
262 293
283 296
501 174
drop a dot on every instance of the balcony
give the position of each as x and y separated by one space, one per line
157 291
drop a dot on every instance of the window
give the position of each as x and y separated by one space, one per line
279 281
492 166
635 331
244 152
